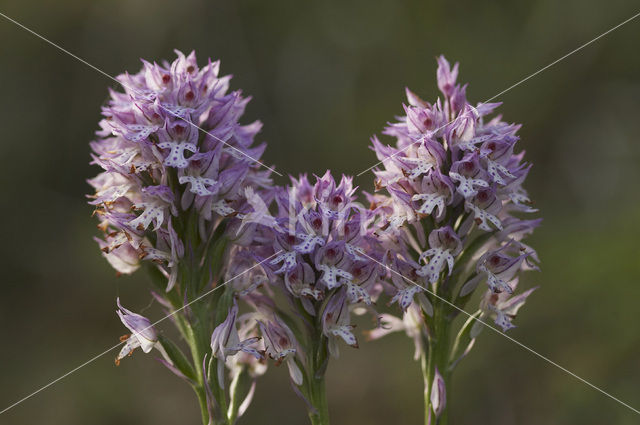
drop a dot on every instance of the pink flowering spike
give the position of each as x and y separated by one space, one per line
152 127
318 243
450 196
143 334
438 394
446 76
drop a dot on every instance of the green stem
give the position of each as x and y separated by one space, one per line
437 356
198 357
317 393
319 400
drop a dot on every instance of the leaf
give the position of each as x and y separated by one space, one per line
464 341
178 358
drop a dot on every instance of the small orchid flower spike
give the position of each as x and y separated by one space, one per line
177 170
452 219
316 243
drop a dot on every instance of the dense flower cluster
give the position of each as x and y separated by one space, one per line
176 162
453 175
159 167
315 244
182 188
452 219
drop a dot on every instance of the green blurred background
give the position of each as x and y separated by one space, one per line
325 76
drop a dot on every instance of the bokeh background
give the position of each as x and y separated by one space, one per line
325 76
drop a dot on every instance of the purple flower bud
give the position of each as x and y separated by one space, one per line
438 394
446 76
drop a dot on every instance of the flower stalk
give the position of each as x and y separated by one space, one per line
317 393
435 366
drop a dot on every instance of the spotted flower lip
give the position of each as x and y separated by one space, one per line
436 193
143 334
445 245
503 307
500 268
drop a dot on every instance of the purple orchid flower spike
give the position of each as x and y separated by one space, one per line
178 171
317 242
451 218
